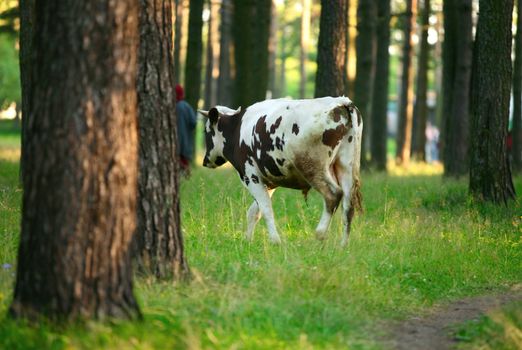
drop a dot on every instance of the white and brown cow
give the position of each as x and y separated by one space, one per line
299 144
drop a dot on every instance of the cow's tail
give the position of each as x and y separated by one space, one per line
357 124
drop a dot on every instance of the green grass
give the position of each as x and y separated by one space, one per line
420 241
499 330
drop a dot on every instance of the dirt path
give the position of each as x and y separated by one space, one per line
432 331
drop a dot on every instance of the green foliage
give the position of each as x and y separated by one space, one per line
419 242
500 330
9 71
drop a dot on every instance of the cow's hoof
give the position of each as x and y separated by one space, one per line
275 240
344 242
249 238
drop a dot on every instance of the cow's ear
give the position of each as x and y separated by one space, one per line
203 113
213 115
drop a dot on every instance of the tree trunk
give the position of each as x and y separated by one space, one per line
420 111
366 41
490 174
303 45
26 48
517 95
406 99
457 121
159 240
80 178
251 50
380 87
178 25
194 54
212 68
283 56
331 49
272 53
224 92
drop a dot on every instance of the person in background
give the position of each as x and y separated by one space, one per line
186 124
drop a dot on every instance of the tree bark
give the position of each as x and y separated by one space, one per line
517 95
420 111
25 55
380 87
159 239
406 99
457 121
194 54
251 30
331 49
80 178
225 85
490 174
366 41
212 68
303 45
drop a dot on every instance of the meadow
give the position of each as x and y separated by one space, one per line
421 241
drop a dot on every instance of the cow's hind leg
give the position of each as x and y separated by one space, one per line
264 204
332 194
253 216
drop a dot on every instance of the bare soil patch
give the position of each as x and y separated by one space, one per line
433 329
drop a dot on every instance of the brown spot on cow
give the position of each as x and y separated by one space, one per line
350 138
280 161
295 128
274 126
332 137
255 179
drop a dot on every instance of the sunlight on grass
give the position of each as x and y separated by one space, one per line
415 168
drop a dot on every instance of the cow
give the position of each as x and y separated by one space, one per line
299 144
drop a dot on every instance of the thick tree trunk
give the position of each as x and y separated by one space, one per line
517 95
212 68
283 56
251 50
80 178
420 111
225 85
406 99
490 174
26 48
194 54
380 86
366 41
331 49
303 45
159 239
457 121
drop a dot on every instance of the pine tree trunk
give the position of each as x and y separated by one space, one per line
224 93
420 111
366 41
380 87
212 67
490 174
457 128
272 53
449 59
80 178
331 49
517 95
303 45
406 101
25 55
159 239
178 25
194 54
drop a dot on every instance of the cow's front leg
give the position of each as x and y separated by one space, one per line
263 204
253 216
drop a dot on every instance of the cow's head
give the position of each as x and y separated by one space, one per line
214 140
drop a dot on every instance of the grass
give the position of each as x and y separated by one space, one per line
499 330
420 241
